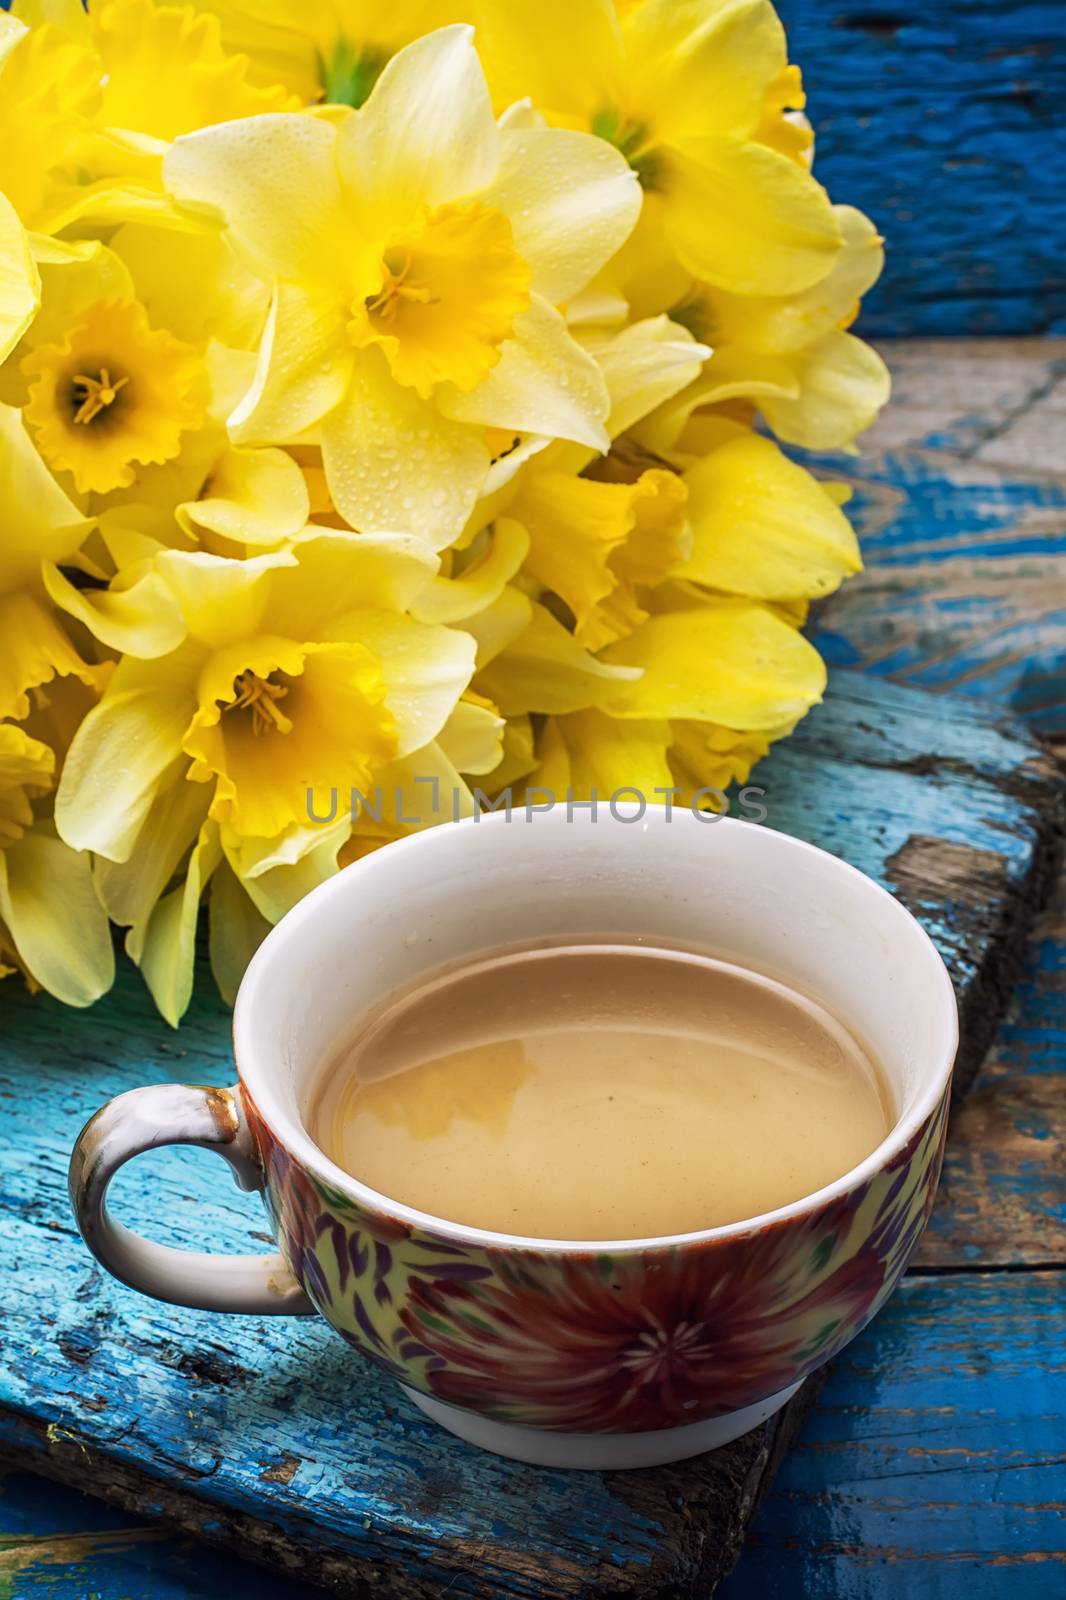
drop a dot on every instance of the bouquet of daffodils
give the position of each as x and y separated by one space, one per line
388 401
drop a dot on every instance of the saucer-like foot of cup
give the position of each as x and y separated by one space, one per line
599 1452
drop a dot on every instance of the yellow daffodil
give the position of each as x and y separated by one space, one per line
89 98
331 50
297 673
114 395
380 404
419 253
53 928
40 523
815 383
683 91
49 87
165 70
20 281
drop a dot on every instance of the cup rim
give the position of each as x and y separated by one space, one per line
291 1133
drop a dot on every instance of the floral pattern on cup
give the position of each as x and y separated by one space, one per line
599 1342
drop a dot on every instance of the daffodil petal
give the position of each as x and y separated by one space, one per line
20 282
221 599
704 66
731 373
40 523
339 572
55 920
144 619
499 624
543 669
169 952
130 890
645 365
785 323
301 372
236 929
121 754
762 526
393 461
524 55
543 383
274 180
481 582
424 668
427 134
612 753
572 201
230 299
842 385
774 231
73 281
275 890
754 670
256 497
35 650
472 738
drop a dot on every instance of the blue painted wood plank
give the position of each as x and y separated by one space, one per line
934 1463
255 1427
963 530
945 122
62 1544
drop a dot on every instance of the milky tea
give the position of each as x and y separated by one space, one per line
598 1092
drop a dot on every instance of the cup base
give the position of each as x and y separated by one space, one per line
599 1452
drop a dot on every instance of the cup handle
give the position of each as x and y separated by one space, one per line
144 1119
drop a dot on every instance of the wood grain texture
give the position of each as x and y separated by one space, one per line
933 1465
270 1436
946 123
1002 1200
960 504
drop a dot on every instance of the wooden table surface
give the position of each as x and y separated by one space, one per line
934 1461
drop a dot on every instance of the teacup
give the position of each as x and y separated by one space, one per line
598 1354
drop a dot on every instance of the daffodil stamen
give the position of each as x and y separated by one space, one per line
451 285
164 399
250 690
396 288
96 394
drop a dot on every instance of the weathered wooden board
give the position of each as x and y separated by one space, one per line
946 123
965 588
272 1435
1002 1201
961 508
934 1462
